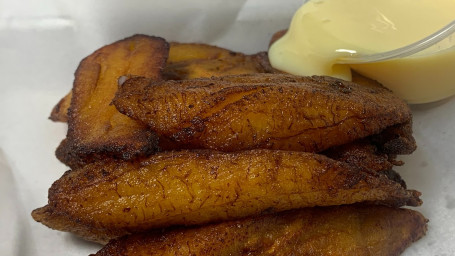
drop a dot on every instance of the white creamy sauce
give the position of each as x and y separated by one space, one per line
322 31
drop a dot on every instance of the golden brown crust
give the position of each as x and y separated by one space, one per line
96 128
187 61
62 222
76 157
235 64
363 154
183 52
275 111
196 187
344 230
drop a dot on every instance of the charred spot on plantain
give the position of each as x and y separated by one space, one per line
183 135
198 124
218 99
268 210
126 209
340 86
127 155
354 178
394 176
104 173
373 91
332 191
89 176
214 172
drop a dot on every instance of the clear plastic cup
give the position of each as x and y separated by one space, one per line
432 44
421 72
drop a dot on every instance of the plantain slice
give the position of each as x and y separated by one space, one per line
192 60
114 198
274 111
344 230
95 127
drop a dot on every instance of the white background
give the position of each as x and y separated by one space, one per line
41 44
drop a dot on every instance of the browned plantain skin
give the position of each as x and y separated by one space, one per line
362 153
377 152
60 111
187 61
274 111
343 230
191 60
396 140
95 128
183 52
194 187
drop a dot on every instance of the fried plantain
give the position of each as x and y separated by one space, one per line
116 197
274 111
95 128
377 152
374 153
343 230
191 60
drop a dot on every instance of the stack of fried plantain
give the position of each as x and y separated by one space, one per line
191 149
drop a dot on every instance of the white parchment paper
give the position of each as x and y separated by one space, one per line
41 44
